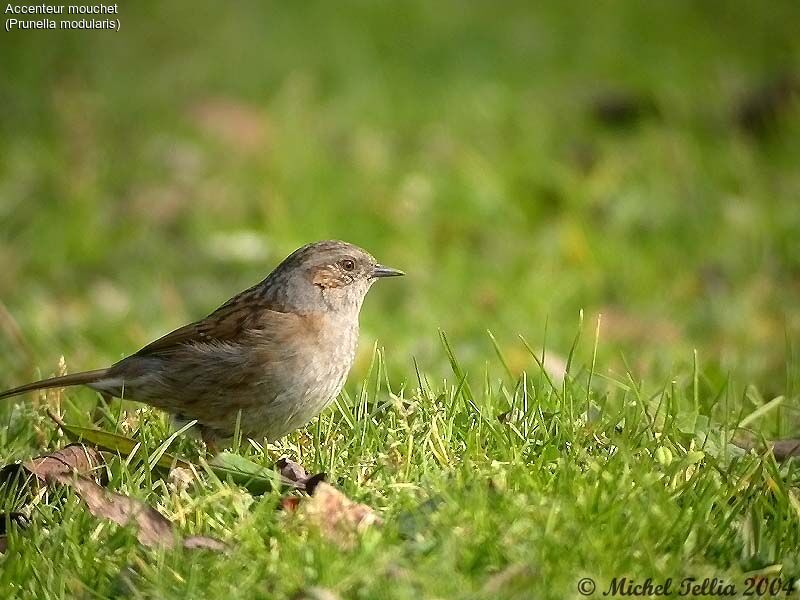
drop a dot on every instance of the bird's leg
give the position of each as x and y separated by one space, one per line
210 440
297 474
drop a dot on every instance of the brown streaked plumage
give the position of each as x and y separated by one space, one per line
278 353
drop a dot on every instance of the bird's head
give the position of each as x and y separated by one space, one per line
329 275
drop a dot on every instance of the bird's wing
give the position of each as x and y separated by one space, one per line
239 314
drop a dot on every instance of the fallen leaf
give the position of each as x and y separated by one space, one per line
72 458
781 449
180 479
296 474
202 542
291 470
152 528
70 466
784 449
339 518
290 503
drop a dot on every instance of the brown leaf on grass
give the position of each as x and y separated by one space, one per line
203 542
180 478
295 473
72 458
75 458
784 449
72 466
290 503
781 449
152 528
291 470
338 517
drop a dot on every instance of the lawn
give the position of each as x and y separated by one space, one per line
611 191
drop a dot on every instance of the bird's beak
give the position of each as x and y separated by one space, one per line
382 271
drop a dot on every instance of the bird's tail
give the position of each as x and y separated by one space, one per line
56 382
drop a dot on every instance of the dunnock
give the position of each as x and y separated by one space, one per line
278 353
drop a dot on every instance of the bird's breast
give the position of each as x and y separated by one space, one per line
303 373
313 355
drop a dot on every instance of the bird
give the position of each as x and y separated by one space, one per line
267 361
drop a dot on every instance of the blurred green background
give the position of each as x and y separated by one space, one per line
521 161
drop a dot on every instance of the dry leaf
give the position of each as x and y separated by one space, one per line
290 503
291 470
781 449
71 465
784 449
72 458
152 528
180 478
295 473
339 518
202 542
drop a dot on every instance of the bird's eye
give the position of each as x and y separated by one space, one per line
348 264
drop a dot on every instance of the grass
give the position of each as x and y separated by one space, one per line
511 488
147 175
